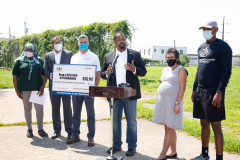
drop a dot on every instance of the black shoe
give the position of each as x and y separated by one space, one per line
29 133
69 135
172 157
55 135
130 152
42 133
114 149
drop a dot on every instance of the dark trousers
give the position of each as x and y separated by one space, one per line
77 109
67 112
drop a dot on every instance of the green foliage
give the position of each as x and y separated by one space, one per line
100 36
8 49
184 59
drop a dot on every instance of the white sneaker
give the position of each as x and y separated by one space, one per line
201 158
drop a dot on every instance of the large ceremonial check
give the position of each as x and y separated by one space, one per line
73 79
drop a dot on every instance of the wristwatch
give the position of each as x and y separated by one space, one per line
177 102
218 91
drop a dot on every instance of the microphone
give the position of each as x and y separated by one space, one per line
115 60
113 66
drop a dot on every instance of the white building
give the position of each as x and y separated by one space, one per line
158 52
236 61
193 59
4 38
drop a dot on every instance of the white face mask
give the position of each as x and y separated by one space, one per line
28 54
207 34
58 47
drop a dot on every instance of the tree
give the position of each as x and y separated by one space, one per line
100 36
184 59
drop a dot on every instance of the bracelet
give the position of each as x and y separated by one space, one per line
177 102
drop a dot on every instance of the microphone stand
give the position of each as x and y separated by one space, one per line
111 157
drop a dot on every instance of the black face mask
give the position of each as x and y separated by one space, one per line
171 62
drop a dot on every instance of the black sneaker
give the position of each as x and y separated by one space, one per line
29 133
114 149
42 133
130 152
201 158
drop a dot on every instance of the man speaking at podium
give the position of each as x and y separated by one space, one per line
127 66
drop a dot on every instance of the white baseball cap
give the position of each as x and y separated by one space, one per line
210 24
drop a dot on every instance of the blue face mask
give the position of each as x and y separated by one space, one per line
83 46
207 34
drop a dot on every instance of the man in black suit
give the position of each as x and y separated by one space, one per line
128 66
59 56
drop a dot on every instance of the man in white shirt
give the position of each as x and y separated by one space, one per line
59 56
128 66
84 56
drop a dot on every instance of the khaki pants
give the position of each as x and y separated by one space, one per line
28 111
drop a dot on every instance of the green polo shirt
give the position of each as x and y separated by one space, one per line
21 69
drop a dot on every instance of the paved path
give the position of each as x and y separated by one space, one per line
15 145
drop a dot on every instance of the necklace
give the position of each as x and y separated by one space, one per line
207 45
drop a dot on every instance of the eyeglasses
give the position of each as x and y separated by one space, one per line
170 57
59 42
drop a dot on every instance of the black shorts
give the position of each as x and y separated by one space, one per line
203 108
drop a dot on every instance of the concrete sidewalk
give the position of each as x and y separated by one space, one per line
15 145
12 108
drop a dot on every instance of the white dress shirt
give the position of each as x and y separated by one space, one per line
57 56
119 67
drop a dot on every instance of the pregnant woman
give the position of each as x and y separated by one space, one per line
169 104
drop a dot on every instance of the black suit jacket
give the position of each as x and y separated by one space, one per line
130 77
50 60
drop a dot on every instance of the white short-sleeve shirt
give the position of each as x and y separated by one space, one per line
86 58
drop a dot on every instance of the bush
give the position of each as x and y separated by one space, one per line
184 59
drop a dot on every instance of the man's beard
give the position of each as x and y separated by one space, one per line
122 46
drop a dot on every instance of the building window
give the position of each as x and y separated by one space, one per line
181 51
144 51
155 50
162 51
149 50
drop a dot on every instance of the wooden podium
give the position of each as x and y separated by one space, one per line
111 92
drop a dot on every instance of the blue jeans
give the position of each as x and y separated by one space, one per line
77 109
129 107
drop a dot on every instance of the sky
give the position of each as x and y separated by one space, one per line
158 22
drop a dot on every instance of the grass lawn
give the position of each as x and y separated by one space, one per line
231 126
6 79
149 85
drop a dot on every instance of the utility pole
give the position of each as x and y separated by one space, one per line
223 32
223 28
174 45
10 36
25 32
